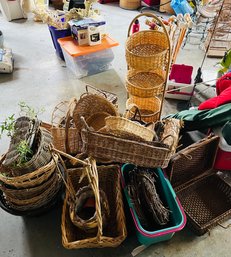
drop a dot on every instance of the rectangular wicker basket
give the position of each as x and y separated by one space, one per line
205 197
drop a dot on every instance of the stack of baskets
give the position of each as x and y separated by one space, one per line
148 60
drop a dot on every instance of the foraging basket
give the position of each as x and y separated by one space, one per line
120 125
66 135
205 197
145 154
145 84
107 178
149 108
148 49
31 179
90 104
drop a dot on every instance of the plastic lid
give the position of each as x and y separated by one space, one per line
73 49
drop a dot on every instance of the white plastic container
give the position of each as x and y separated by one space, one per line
179 91
12 10
87 60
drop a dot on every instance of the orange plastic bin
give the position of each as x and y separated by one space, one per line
87 60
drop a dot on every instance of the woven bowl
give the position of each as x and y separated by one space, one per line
145 84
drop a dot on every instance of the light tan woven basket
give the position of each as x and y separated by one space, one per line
107 178
122 125
31 179
145 84
149 108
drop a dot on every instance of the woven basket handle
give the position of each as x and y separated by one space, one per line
137 112
96 89
152 16
85 123
69 115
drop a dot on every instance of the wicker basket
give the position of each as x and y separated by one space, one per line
122 125
66 135
97 120
149 108
90 104
145 84
145 154
31 179
115 232
147 50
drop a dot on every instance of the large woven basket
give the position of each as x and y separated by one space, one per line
106 178
31 179
149 108
66 135
90 104
145 154
145 84
147 50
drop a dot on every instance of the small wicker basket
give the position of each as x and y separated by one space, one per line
149 108
145 84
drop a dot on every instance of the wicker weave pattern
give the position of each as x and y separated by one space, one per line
149 108
115 232
147 50
145 84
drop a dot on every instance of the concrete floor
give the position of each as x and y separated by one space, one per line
41 79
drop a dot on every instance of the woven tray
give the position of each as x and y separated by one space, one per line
205 197
145 154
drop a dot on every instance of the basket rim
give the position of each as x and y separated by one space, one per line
147 88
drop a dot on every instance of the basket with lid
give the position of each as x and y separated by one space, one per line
204 195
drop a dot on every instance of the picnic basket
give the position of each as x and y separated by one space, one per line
106 178
145 154
204 195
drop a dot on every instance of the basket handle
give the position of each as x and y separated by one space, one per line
85 123
57 107
69 115
96 89
137 112
152 16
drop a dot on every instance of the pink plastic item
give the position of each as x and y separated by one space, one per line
181 73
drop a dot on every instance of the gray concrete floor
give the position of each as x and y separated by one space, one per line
41 79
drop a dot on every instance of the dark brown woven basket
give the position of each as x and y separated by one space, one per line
205 197
145 154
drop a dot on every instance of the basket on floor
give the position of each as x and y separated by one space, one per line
31 179
90 104
122 125
140 153
113 234
149 108
66 135
145 84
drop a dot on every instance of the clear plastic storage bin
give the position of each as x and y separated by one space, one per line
87 60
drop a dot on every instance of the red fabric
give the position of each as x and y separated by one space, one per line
223 98
223 83
181 73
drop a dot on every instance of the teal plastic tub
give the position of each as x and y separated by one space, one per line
177 215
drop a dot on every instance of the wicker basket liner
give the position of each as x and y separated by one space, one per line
90 104
120 150
23 194
120 125
29 180
205 197
115 232
145 84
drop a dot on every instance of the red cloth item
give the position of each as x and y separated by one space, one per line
223 98
223 83
181 73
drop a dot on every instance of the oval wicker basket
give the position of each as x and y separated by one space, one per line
147 50
122 125
145 84
149 108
